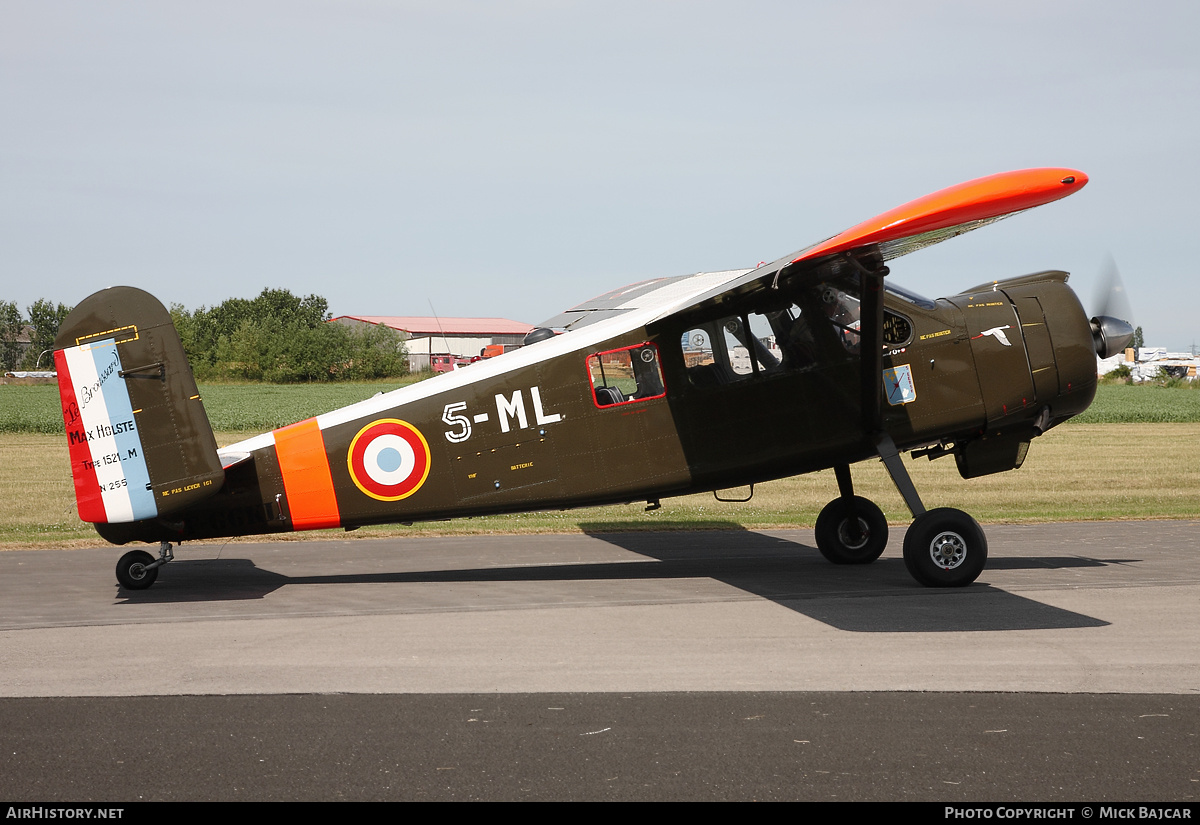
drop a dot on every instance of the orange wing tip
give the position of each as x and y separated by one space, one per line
967 205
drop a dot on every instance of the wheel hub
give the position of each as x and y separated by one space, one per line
948 550
854 533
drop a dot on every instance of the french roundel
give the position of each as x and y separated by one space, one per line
389 459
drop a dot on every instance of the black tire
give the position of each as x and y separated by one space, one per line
945 548
851 531
133 572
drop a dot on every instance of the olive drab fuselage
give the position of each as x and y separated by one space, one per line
746 387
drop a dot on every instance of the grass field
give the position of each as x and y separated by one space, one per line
1074 472
1143 404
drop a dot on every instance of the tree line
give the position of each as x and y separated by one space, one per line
276 337
40 326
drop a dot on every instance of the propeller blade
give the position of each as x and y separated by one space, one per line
1112 329
1111 298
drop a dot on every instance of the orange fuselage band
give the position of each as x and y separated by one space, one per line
306 477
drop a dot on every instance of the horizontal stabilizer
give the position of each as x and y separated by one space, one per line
234 459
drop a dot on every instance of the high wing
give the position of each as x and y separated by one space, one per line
926 221
951 212
907 228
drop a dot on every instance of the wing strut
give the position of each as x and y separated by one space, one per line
870 328
871 331
899 473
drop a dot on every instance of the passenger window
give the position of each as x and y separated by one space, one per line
751 345
621 376
730 349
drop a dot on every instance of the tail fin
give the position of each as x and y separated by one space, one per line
140 442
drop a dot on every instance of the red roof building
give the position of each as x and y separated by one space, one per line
462 338
418 327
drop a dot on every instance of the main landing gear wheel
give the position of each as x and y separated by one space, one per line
134 571
945 548
851 531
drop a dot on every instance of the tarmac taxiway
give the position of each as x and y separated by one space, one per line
1083 640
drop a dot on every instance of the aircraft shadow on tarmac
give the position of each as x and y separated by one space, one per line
879 598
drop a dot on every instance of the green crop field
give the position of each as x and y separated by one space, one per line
255 408
1142 404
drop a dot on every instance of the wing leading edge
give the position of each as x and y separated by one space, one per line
952 211
907 228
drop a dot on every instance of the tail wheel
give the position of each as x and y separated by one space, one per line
851 531
134 571
945 548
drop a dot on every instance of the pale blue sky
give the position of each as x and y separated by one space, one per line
516 158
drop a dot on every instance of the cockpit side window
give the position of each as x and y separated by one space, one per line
820 325
623 376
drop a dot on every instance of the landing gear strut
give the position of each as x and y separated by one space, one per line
942 548
137 569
